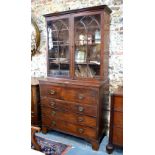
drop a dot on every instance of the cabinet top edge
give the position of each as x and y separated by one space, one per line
95 8
74 82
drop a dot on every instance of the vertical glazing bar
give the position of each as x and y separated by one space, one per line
71 46
102 47
47 50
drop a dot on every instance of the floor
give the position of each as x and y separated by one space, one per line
79 146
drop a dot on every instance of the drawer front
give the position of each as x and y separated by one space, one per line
69 106
118 119
118 136
50 91
118 103
80 95
69 117
63 126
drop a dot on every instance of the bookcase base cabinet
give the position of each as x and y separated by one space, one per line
73 107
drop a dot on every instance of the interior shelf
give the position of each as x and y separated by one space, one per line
60 30
94 44
85 63
90 27
59 62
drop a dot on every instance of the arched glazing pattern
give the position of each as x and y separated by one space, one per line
87 46
58 47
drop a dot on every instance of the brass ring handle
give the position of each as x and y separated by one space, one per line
81 109
80 119
81 130
81 96
52 92
53 113
53 123
52 103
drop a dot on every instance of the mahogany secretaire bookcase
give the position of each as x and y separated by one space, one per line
77 73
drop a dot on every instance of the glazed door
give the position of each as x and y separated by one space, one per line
87 46
58 48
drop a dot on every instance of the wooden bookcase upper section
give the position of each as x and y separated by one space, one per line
78 43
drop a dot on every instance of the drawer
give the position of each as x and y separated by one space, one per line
118 119
118 103
69 106
80 95
70 128
118 136
49 90
69 117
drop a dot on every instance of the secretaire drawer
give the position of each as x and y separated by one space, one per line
73 94
69 117
64 126
69 106
50 91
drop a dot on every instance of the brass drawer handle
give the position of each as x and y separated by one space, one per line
53 113
52 103
81 109
52 92
53 123
80 119
81 96
81 130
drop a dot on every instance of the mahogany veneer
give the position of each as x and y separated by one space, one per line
82 118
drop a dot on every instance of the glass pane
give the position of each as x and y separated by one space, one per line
58 47
87 46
